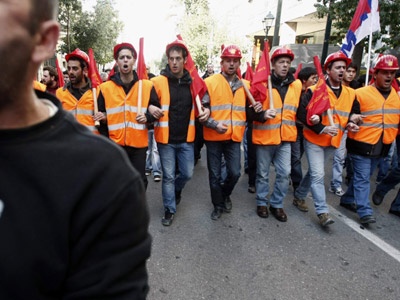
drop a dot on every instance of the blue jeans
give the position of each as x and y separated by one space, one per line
221 188
314 179
385 163
172 156
339 158
152 156
279 155
392 179
359 187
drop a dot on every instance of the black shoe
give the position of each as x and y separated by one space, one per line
216 214
168 218
228 204
350 206
367 220
394 212
178 197
377 198
251 189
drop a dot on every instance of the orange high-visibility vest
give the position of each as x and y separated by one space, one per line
226 107
161 127
83 110
122 110
282 128
341 108
39 86
381 116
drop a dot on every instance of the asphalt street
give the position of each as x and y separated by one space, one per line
242 256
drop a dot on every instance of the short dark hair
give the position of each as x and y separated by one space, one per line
179 49
52 71
82 63
306 73
352 65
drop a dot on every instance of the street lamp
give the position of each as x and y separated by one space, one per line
267 23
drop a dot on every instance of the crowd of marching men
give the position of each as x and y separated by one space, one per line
322 112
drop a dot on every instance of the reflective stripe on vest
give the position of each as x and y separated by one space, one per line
226 107
282 128
83 110
341 108
122 111
381 116
161 127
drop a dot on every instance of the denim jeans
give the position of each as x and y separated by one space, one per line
385 163
339 158
152 156
222 188
172 156
314 179
297 151
279 155
392 179
359 187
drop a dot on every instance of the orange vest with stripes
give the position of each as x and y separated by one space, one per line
382 116
83 110
341 108
282 128
161 127
122 109
226 107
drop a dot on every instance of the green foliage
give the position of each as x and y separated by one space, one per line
98 30
342 13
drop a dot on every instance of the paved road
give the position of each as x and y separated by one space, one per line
242 256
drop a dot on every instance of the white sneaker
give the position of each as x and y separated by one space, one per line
338 192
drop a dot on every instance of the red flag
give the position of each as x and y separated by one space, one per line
259 84
319 101
141 66
299 67
60 75
198 86
112 72
249 73
94 75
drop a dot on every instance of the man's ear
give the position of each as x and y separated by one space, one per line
46 41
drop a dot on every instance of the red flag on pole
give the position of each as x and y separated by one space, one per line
299 67
260 78
60 75
198 86
141 66
94 75
319 101
249 73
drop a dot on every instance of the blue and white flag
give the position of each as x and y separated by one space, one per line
365 21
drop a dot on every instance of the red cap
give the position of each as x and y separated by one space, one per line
78 53
335 57
282 51
231 51
178 43
121 46
387 62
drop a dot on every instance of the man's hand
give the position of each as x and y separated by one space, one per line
99 116
141 118
357 118
155 111
315 119
221 127
204 115
352 127
270 114
331 130
257 107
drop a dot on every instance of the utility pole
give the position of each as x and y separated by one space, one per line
275 41
327 34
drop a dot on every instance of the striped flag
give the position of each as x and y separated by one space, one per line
365 21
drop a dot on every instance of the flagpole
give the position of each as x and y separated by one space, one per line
369 56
